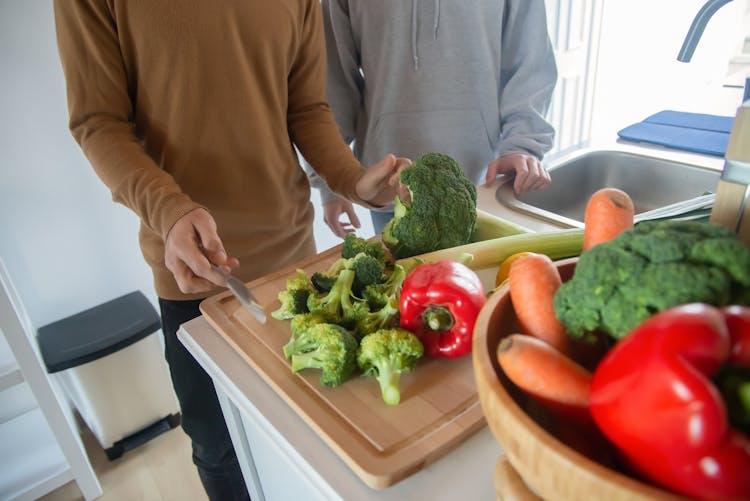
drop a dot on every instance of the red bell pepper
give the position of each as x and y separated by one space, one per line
653 397
439 304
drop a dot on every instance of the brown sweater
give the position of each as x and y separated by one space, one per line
181 104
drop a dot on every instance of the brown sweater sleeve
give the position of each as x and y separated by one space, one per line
311 123
101 115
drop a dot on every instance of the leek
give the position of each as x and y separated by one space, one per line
490 226
556 244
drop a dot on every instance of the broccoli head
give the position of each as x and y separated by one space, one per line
386 354
294 297
367 270
441 211
353 245
654 266
329 348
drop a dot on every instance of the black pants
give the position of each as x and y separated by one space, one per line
202 419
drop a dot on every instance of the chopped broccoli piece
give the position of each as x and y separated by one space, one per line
367 270
300 324
353 245
339 306
654 266
386 354
327 347
386 316
380 294
441 212
294 297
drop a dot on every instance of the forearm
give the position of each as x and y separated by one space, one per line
528 77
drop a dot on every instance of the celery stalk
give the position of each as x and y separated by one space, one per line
556 244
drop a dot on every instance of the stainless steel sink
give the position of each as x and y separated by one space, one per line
652 183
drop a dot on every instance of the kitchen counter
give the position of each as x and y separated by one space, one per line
282 457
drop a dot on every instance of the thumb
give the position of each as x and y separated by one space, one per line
209 241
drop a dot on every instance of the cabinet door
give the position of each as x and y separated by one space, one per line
574 27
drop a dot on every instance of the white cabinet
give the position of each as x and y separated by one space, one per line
41 449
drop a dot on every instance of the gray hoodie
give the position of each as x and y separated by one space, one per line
469 78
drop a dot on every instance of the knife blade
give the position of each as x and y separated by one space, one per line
242 293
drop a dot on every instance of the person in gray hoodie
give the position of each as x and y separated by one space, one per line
470 79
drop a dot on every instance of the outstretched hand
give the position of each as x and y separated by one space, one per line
380 182
528 171
191 246
332 212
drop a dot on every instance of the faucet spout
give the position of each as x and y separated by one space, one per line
696 28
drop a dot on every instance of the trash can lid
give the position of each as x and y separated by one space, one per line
96 332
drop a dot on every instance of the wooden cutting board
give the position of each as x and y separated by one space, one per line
439 402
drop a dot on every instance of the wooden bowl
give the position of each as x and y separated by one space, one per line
550 469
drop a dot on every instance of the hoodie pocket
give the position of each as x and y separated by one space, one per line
461 134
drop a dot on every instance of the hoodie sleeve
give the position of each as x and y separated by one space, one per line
344 81
528 74
101 111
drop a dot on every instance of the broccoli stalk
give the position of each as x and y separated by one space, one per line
329 348
387 316
387 353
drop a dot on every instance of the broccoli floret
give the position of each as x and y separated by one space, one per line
353 245
441 212
380 294
300 324
368 270
329 348
386 316
386 354
294 297
654 266
339 306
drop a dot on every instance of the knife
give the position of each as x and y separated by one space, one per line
242 293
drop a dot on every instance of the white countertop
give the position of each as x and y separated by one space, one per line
464 471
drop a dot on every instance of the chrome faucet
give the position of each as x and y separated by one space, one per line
696 29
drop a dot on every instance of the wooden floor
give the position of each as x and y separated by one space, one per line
159 470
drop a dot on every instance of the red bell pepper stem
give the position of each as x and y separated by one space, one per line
440 303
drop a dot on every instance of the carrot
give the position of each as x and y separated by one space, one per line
533 280
551 377
609 211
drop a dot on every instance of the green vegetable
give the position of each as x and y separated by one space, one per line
490 226
441 211
329 348
384 317
367 270
294 297
380 294
338 306
300 324
652 267
386 354
556 244
353 245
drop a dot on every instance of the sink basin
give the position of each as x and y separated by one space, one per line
652 183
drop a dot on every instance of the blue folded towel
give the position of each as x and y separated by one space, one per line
696 132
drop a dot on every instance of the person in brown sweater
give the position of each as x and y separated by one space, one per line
190 112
